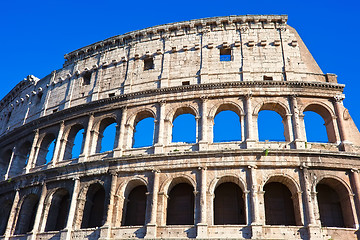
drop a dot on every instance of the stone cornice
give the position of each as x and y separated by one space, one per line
157 32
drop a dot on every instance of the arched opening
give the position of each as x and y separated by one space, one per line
270 126
279 207
74 143
21 159
4 215
184 126
329 207
180 206
143 130
94 207
334 202
136 207
106 137
46 150
319 124
229 205
227 126
26 218
5 160
59 210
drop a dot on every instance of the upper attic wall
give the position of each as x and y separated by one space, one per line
261 48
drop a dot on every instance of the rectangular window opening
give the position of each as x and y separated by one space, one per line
225 54
268 78
111 94
148 63
186 83
86 78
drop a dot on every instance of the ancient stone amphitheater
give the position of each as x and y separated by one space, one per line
246 189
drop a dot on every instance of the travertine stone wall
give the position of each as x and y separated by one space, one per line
108 82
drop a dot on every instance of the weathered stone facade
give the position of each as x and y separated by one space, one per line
163 72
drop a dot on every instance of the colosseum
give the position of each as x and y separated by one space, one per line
244 189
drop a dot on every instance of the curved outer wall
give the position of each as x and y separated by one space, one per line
162 72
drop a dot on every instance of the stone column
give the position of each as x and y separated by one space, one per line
340 121
72 210
10 163
256 225
87 141
308 204
11 225
159 130
151 226
106 229
298 136
86 151
250 139
202 225
355 179
39 211
204 140
33 152
289 131
58 145
122 134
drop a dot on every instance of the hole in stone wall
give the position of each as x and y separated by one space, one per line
108 138
136 207
225 54
186 83
111 95
268 78
148 63
180 209
86 78
315 127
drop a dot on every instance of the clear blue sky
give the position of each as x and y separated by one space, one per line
35 35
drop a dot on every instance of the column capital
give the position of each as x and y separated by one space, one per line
162 102
203 168
339 98
156 171
354 170
248 95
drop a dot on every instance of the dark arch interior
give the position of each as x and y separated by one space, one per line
229 205
59 210
136 207
329 206
26 218
279 207
4 215
180 208
94 207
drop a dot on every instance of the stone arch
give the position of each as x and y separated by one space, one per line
94 207
291 210
21 157
227 178
183 109
167 185
135 202
5 210
327 114
180 190
135 118
178 111
57 204
282 110
226 106
26 215
229 200
69 138
343 205
5 161
99 127
223 106
43 147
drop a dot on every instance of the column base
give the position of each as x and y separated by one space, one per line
158 149
250 143
151 230
314 232
203 146
117 153
202 230
300 144
256 231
